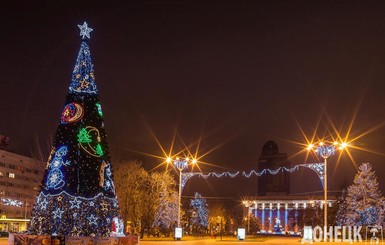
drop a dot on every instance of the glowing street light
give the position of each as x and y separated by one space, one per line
325 150
180 164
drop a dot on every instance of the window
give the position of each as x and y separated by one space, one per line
1 174
11 175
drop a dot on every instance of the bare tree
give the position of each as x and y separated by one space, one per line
216 217
146 200
131 182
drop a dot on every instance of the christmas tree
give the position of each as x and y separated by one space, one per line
342 207
77 196
199 207
364 203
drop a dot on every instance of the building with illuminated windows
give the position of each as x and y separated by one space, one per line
276 209
20 177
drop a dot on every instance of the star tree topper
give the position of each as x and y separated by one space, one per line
85 30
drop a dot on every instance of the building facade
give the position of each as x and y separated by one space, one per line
276 208
20 177
281 214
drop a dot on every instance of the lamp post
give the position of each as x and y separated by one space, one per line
248 206
325 150
25 214
221 226
180 164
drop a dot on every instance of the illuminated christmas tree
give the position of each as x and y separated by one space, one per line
77 195
364 202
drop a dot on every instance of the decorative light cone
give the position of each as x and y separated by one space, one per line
77 196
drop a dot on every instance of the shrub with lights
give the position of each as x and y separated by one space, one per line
77 196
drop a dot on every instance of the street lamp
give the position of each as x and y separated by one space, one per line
25 213
221 226
248 206
180 164
325 150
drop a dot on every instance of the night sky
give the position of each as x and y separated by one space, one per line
227 74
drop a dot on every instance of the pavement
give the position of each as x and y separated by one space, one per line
3 241
230 241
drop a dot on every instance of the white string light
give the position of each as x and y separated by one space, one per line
253 172
316 167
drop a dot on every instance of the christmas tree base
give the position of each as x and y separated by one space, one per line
76 216
22 239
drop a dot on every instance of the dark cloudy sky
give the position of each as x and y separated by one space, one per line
234 73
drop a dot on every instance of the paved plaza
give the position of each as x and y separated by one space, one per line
231 240
227 240
269 241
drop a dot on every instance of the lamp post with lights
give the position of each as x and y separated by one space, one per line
325 150
180 164
248 205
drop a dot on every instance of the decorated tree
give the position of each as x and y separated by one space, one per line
364 203
166 196
199 210
77 196
342 207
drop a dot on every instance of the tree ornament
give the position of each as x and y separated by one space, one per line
58 213
75 203
89 138
85 30
55 179
72 112
83 136
92 219
99 108
99 150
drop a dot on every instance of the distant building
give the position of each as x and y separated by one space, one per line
271 158
276 209
4 142
20 177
